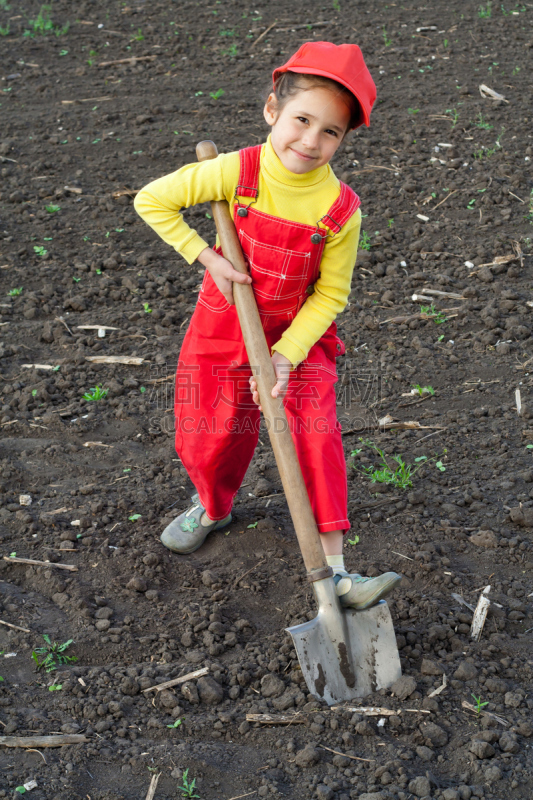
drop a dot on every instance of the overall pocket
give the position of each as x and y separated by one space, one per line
280 276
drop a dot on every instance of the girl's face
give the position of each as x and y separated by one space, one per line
308 129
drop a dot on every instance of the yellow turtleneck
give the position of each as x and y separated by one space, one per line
299 198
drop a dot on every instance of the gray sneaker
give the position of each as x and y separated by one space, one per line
366 592
185 534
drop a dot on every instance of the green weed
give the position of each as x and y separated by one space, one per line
479 704
175 724
364 241
134 517
354 541
52 209
147 309
54 654
386 39
455 116
482 124
232 51
55 687
40 250
139 37
485 12
432 313
413 111
227 33
43 24
422 390
4 6
95 393
395 472
252 525
187 787
15 292
216 95
390 222
336 5
4 31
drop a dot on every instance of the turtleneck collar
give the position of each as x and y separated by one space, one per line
272 165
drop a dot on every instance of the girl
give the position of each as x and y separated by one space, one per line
299 229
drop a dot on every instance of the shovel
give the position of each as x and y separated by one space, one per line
343 653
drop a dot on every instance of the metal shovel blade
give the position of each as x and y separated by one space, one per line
344 653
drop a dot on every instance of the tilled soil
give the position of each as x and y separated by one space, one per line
445 177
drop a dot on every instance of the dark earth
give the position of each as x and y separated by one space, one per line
445 178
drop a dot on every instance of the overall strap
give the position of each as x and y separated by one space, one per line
250 159
342 209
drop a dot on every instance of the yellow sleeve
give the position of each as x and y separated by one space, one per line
329 298
160 202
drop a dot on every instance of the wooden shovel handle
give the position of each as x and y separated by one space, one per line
263 371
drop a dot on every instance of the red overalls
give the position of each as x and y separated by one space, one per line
217 422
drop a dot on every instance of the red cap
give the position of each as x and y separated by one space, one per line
343 63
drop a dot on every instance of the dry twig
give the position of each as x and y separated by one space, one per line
33 563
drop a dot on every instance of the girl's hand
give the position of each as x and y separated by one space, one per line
222 272
282 368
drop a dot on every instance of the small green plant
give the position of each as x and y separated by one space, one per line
252 525
52 209
445 43
55 687
15 292
454 116
175 724
134 517
34 392
54 654
430 312
227 33
232 51
364 241
390 222
515 71
4 31
395 472
485 11
216 95
481 123
422 390
147 309
413 111
187 787
95 393
75 280
354 541
43 24
479 704
336 5
40 250
92 55
139 37
386 39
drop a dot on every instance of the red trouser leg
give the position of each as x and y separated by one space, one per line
217 427
312 415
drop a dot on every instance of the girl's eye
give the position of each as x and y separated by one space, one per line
333 133
303 119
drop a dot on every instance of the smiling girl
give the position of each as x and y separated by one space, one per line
299 227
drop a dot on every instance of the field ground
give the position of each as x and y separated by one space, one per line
445 178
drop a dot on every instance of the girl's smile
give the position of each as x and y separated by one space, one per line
308 128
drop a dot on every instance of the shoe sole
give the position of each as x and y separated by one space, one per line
221 524
376 597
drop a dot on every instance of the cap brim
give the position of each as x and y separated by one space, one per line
325 74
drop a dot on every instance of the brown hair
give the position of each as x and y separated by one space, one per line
289 84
